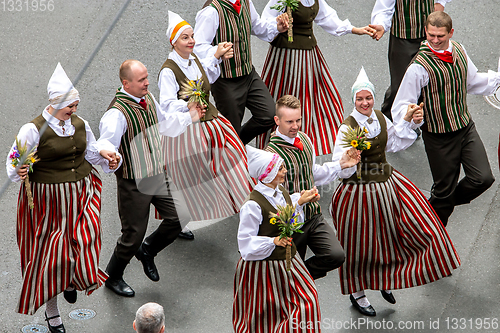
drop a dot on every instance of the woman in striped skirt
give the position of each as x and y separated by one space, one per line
299 69
392 237
267 297
60 237
207 163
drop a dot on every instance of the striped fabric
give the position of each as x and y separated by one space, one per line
267 298
59 240
305 75
236 29
208 164
408 21
445 97
300 168
141 144
391 236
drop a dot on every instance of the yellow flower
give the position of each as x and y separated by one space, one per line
294 224
33 160
366 131
354 143
13 165
368 145
272 221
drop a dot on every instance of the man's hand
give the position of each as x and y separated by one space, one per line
379 31
350 158
364 31
196 111
311 195
282 22
438 7
224 50
412 108
112 157
22 172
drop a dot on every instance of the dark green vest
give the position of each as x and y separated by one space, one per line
62 159
268 229
374 166
408 21
181 78
303 37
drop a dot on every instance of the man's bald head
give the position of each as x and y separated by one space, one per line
134 77
126 69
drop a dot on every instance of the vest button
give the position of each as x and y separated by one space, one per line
376 138
310 37
73 161
71 137
378 146
74 147
72 170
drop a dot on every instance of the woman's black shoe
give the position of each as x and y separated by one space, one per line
70 296
389 297
54 329
365 310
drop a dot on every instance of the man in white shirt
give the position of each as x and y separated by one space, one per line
239 85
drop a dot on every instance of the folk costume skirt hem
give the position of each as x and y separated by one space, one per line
59 240
392 237
305 75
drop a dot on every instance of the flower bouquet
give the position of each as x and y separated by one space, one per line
19 152
356 137
286 218
291 6
192 90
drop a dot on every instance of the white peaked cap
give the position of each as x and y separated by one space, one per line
362 83
59 88
263 165
176 25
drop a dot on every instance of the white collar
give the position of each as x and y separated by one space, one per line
449 49
232 1
361 118
136 99
266 190
284 137
53 120
180 60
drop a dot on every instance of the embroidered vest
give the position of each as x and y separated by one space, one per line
445 96
408 21
62 159
141 143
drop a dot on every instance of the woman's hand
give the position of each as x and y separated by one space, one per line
282 242
282 22
22 172
224 50
350 158
196 111
311 195
112 157
364 31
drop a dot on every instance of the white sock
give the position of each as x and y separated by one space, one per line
186 229
52 310
388 291
362 301
70 288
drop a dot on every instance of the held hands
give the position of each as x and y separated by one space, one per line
311 195
415 112
112 157
282 242
22 172
282 22
224 50
379 31
368 30
350 158
196 111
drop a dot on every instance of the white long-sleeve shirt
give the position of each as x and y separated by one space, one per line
29 134
384 10
416 78
114 124
398 137
207 23
326 18
251 246
323 174
168 84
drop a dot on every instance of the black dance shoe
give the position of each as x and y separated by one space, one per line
389 297
70 296
364 310
148 263
186 235
119 287
54 329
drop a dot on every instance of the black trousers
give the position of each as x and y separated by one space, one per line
233 95
321 239
401 52
446 152
134 202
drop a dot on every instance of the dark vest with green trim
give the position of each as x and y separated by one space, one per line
374 166
303 37
181 78
408 21
268 229
62 159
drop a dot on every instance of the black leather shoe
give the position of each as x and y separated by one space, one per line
148 263
119 287
186 235
364 310
54 329
388 297
70 296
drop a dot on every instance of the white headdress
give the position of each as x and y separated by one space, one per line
176 25
263 165
362 83
60 89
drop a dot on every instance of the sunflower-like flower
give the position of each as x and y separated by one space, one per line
272 220
354 143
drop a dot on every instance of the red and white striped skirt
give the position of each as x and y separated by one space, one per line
208 164
59 240
305 75
391 236
269 299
